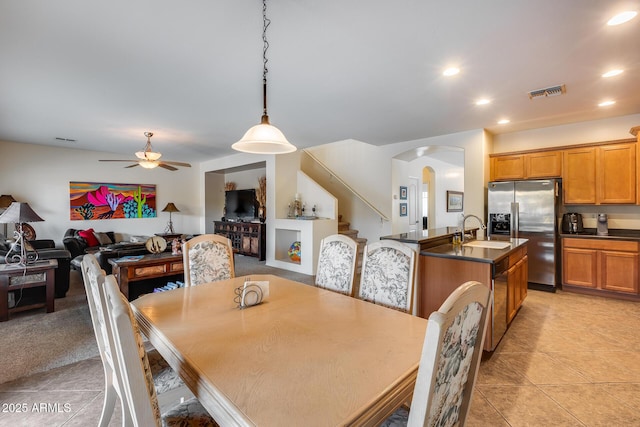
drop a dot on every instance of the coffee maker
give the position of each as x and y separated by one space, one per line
572 223
603 225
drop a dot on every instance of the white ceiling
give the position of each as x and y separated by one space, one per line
102 73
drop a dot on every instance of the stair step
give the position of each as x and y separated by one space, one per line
349 232
343 226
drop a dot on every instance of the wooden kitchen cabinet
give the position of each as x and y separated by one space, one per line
546 164
616 174
506 168
538 165
517 282
600 175
579 176
600 266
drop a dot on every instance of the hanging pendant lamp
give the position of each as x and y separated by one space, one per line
264 138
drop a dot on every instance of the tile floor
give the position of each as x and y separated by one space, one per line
566 360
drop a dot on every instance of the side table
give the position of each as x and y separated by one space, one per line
15 277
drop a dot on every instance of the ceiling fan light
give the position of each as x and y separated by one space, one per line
148 155
148 164
264 139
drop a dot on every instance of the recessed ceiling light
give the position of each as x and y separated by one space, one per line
612 73
451 71
621 18
606 103
483 101
503 121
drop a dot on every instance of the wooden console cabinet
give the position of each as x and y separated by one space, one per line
247 238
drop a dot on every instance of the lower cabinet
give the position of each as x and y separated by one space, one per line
517 281
599 265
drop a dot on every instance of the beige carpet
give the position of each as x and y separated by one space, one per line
34 341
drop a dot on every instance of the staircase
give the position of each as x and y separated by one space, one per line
344 228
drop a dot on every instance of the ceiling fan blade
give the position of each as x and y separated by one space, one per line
118 161
164 165
186 165
131 166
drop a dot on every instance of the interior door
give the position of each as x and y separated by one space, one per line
413 204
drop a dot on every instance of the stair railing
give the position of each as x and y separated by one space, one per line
382 216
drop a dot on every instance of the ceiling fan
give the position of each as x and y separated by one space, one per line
149 159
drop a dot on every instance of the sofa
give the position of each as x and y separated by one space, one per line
46 249
104 246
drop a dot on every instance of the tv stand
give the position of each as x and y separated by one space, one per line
247 238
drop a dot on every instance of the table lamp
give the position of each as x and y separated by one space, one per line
5 202
170 208
19 213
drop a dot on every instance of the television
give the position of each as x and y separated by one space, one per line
240 204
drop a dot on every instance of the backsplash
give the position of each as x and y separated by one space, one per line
620 217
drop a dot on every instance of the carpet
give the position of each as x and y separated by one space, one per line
34 341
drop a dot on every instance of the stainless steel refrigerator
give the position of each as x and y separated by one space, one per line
528 209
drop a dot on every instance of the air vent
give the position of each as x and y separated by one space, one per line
65 139
549 91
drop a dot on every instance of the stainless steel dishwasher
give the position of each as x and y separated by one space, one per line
499 303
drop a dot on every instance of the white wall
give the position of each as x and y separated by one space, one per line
575 133
40 175
448 177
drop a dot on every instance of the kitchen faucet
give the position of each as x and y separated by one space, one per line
464 219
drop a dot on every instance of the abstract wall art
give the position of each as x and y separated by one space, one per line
94 201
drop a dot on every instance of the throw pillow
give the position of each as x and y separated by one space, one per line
103 238
89 237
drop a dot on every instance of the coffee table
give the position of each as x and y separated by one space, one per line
135 269
15 277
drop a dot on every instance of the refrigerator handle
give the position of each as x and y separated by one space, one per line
515 219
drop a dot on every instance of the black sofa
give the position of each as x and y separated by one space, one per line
46 249
78 247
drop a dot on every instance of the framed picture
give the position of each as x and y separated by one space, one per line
455 201
403 193
403 209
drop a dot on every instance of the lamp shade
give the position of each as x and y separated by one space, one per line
6 200
264 139
19 212
170 208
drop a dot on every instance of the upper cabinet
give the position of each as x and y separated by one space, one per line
600 175
544 164
592 174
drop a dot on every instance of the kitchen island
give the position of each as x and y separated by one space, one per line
500 264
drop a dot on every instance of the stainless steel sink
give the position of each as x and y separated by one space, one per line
488 244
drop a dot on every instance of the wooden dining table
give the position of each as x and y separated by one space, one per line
304 357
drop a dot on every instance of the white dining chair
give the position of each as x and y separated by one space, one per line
166 379
450 360
134 373
388 274
207 258
337 262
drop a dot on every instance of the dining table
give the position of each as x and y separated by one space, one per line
304 356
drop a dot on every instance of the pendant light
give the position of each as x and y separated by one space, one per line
264 138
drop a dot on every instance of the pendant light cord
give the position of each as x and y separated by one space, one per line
265 46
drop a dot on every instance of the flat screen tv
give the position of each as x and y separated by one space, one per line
240 204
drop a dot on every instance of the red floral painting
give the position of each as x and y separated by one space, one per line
94 201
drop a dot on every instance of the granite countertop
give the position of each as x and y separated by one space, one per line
421 236
614 234
476 254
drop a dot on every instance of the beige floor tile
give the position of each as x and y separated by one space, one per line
592 405
497 370
527 406
627 393
602 366
482 414
539 368
90 414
